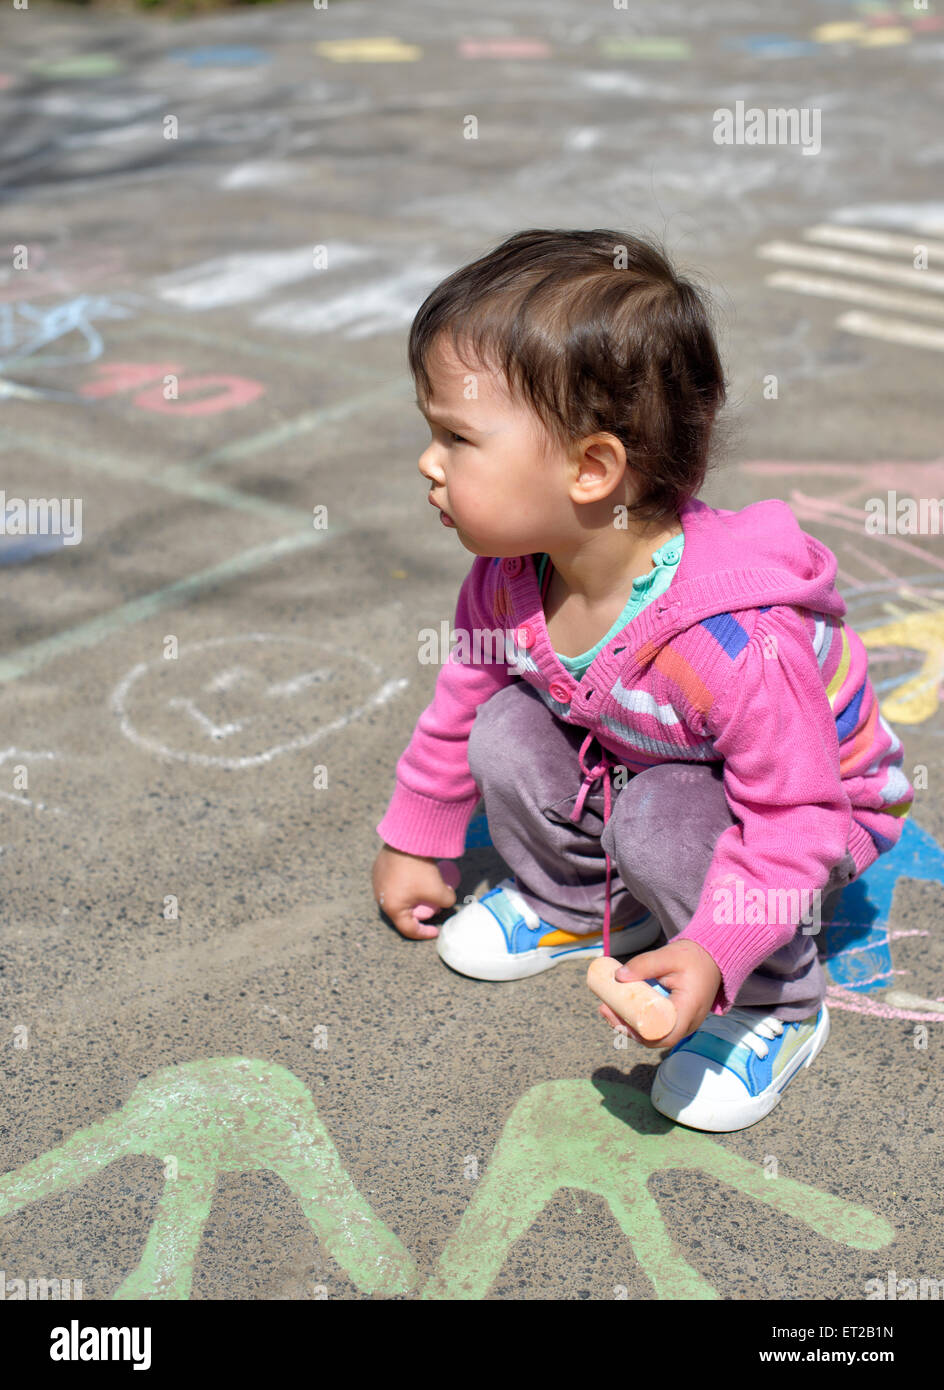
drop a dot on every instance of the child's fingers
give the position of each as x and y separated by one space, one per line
616 1022
408 924
648 965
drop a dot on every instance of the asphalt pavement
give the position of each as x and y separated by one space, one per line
225 1076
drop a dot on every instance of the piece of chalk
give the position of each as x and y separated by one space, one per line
651 1014
449 873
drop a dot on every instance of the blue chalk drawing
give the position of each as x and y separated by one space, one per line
857 940
478 835
17 552
774 46
221 55
25 329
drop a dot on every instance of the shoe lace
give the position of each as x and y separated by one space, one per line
743 1027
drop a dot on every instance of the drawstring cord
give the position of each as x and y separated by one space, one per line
591 775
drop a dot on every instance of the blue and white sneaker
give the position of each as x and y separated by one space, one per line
500 937
732 1071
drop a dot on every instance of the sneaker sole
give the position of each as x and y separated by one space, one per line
523 964
740 1114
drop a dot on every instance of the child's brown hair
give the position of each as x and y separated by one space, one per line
596 332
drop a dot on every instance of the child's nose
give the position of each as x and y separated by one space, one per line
428 465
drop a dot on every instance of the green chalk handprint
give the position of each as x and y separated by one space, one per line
236 1114
222 1115
605 1137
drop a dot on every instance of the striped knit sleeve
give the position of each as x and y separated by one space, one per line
435 793
871 753
774 727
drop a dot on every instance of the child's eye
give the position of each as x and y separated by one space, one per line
457 438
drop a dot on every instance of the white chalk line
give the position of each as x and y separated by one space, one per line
226 679
184 479
244 276
302 424
205 723
88 634
174 328
36 805
179 480
853 292
22 755
225 682
120 694
299 683
868 267
176 479
867 239
892 330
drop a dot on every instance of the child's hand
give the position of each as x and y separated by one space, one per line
682 967
401 881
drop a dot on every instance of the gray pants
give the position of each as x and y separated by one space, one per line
660 838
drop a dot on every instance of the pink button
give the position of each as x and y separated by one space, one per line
524 636
512 565
560 693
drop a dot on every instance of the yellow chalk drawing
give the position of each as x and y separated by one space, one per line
919 698
237 1114
884 38
605 1137
839 32
382 50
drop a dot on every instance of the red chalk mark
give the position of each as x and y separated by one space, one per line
234 391
127 376
74 271
504 48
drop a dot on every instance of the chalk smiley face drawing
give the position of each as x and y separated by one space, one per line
250 698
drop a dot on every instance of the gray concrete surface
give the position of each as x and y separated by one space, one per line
152 782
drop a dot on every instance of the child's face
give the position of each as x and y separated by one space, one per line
491 466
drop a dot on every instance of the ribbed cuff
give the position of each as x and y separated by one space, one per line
736 949
418 824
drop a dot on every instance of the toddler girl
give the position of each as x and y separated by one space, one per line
673 730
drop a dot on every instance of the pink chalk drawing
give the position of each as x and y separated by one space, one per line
125 376
233 391
899 617
115 377
515 47
75 268
858 480
912 601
